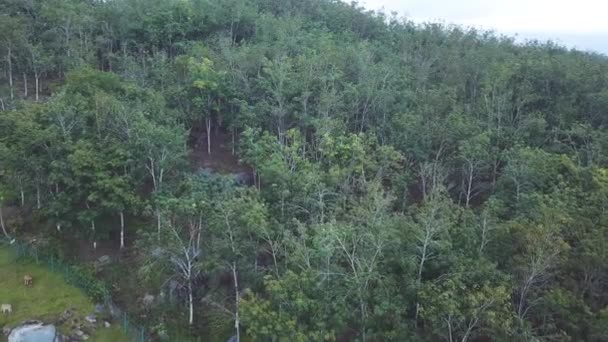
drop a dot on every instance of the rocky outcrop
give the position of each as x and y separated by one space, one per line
34 331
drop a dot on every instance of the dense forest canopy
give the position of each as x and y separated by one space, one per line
380 180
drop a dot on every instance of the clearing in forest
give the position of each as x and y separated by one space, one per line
46 300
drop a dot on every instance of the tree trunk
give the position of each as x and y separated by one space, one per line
191 304
494 173
38 204
93 229
449 322
158 223
218 120
237 322
22 196
2 224
469 185
233 145
419 279
363 318
67 37
122 229
259 182
484 227
10 72
37 77
24 85
208 124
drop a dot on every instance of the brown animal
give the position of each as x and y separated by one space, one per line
28 280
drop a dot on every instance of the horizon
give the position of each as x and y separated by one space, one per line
580 27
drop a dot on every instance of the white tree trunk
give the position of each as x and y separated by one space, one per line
38 204
469 185
190 304
449 322
233 144
10 72
122 229
208 124
93 229
158 223
37 77
237 322
67 36
423 257
22 197
2 224
24 85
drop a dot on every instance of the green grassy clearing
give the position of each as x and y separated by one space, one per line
46 299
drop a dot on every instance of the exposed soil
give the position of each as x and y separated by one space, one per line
221 160
83 251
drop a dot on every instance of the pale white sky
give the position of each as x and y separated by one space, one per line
582 23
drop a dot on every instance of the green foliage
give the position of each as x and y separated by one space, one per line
412 181
304 318
36 303
455 309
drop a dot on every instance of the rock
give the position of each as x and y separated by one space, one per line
100 308
91 319
34 332
67 314
243 178
104 259
107 324
173 287
148 300
102 262
6 330
157 252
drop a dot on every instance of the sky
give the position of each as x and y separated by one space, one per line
581 24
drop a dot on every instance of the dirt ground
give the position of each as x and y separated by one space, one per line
221 159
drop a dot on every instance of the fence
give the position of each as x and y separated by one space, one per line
91 286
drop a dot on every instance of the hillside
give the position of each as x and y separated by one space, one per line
47 300
307 170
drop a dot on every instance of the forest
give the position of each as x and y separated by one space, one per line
308 170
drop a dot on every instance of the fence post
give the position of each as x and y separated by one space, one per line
22 250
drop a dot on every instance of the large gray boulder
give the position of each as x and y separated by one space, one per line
34 332
244 178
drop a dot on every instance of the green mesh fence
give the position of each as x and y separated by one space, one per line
91 286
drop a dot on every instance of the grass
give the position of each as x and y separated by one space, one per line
46 300
113 334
